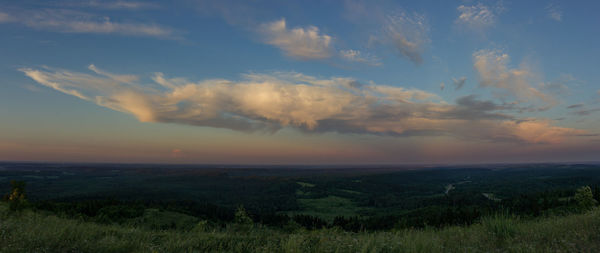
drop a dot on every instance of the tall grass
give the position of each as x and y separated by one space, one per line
34 232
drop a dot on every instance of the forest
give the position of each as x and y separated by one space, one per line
287 198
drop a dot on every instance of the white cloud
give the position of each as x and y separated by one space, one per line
492 67
477 17
264 102
44 79
554 12
301 43
358 56
69 21
408 34
119 78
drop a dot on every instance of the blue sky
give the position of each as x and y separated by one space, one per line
299 81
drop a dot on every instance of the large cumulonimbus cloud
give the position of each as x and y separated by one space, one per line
268 102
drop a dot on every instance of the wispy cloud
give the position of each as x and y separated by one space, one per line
586 112
5 17
305 43
109 4
478 17
554 12
560 86
71 21
118 78
390 25
268 102
358 56
494 71
407 33
459 83
129 5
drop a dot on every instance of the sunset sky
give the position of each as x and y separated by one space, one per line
300 82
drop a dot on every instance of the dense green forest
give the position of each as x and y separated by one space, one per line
257 202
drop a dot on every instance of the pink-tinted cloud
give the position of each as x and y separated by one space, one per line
269 102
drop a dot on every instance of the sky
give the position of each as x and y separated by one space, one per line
299 82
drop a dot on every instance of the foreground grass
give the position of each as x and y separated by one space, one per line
32 232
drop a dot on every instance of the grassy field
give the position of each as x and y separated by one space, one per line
35 232
327 208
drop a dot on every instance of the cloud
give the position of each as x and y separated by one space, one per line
109 4
477 17
269 102
118 78
574 106
388 24
442 86
176 153
493 70
554 12
358 56
407 33
300 43
537 131
238 13
70 21
560 86
586 112
119 5
469 107
459 83
5 17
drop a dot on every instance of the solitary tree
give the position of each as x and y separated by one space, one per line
585 198
16 198
241 216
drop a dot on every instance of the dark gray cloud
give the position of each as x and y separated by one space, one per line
586 112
